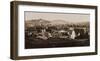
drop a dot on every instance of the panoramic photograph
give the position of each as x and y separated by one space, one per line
52 29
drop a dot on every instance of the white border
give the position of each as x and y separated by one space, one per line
49 51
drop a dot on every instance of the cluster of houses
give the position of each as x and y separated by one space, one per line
46 33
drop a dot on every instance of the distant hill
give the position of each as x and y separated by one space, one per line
36 22
58 22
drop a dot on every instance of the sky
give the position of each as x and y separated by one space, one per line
68 17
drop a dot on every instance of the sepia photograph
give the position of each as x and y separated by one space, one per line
55 29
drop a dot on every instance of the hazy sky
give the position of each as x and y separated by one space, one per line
70 17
